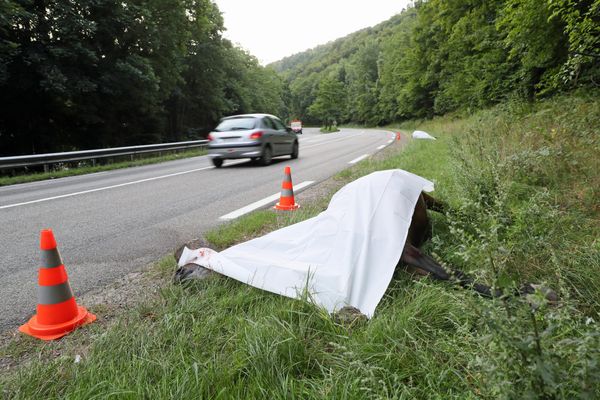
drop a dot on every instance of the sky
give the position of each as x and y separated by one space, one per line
273 29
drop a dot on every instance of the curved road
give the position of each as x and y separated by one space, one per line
111 223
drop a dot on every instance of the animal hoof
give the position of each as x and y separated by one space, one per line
550 295
190 272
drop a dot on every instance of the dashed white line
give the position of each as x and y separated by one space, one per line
62 196
359 159
261 203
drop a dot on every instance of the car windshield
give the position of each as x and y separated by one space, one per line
236 124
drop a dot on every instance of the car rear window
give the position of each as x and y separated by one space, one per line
236 124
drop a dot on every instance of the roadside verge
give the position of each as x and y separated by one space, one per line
141 288
518 211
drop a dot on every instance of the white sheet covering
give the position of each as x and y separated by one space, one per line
422 135
344 256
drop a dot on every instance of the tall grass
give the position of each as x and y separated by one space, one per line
519 211
525 208
526 190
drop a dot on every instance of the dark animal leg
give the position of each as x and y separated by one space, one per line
413 256
434 204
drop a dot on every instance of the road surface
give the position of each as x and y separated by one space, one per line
111 223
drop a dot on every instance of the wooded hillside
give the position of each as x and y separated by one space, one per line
441 56
99 73
96 73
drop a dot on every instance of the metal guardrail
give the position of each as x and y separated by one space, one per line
52 158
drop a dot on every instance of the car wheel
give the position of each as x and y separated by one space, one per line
294 151
217 162
267 155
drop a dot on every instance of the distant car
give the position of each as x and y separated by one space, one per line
297 126
259 137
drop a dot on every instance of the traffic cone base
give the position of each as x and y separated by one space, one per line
57 311
55 331
288 207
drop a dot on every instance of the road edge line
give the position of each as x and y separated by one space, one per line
260 203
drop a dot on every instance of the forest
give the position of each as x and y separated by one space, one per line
87 74
442 56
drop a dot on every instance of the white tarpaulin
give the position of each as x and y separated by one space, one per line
422 135
344 256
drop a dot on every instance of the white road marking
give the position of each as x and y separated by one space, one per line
62 196
261 203
390 141
381 147
359 159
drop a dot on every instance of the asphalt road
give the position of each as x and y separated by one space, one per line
111 223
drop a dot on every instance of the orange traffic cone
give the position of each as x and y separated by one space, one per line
57 312
397 135
286 200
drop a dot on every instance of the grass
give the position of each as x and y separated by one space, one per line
258 224
330 129
82 168
515 215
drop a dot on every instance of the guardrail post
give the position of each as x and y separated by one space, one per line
93 162
46 169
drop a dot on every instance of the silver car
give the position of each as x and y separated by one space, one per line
255 136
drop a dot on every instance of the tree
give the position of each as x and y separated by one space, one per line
98 73
329 104
362 84
476 71
535 42
581 21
